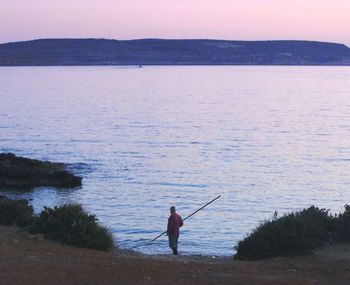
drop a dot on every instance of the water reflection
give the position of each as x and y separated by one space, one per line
265 138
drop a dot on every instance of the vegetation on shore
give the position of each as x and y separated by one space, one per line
295 234
16 212
68 224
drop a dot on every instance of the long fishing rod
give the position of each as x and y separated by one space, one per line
163 233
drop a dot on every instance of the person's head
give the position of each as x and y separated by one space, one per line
172 209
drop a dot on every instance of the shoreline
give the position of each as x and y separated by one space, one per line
131 252
187 257
24 260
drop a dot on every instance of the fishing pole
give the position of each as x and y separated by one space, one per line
163 233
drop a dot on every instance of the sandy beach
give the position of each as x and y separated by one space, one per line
27 261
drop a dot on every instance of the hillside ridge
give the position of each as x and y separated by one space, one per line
90 51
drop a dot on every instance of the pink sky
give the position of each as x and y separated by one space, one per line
323 20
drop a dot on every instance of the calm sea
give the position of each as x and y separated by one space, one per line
265 138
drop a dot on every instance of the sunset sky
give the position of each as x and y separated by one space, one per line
323 20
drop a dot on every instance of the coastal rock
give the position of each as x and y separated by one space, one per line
24 172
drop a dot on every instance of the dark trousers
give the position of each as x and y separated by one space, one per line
173 240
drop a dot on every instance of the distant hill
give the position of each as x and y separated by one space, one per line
171 52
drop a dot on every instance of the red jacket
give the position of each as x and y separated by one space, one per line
174 224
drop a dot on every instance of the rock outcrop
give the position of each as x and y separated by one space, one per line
24 172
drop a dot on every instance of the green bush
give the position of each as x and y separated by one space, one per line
343 225
293 234
70 224
16 212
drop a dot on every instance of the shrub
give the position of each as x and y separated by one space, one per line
16 212
70 224
343 225
293 234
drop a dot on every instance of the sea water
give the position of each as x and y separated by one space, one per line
265 138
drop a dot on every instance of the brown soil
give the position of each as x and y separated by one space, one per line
26 261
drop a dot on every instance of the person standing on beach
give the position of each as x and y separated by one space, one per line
173 230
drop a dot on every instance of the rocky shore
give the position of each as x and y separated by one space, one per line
22 172
28 260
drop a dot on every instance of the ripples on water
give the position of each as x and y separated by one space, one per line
265 138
